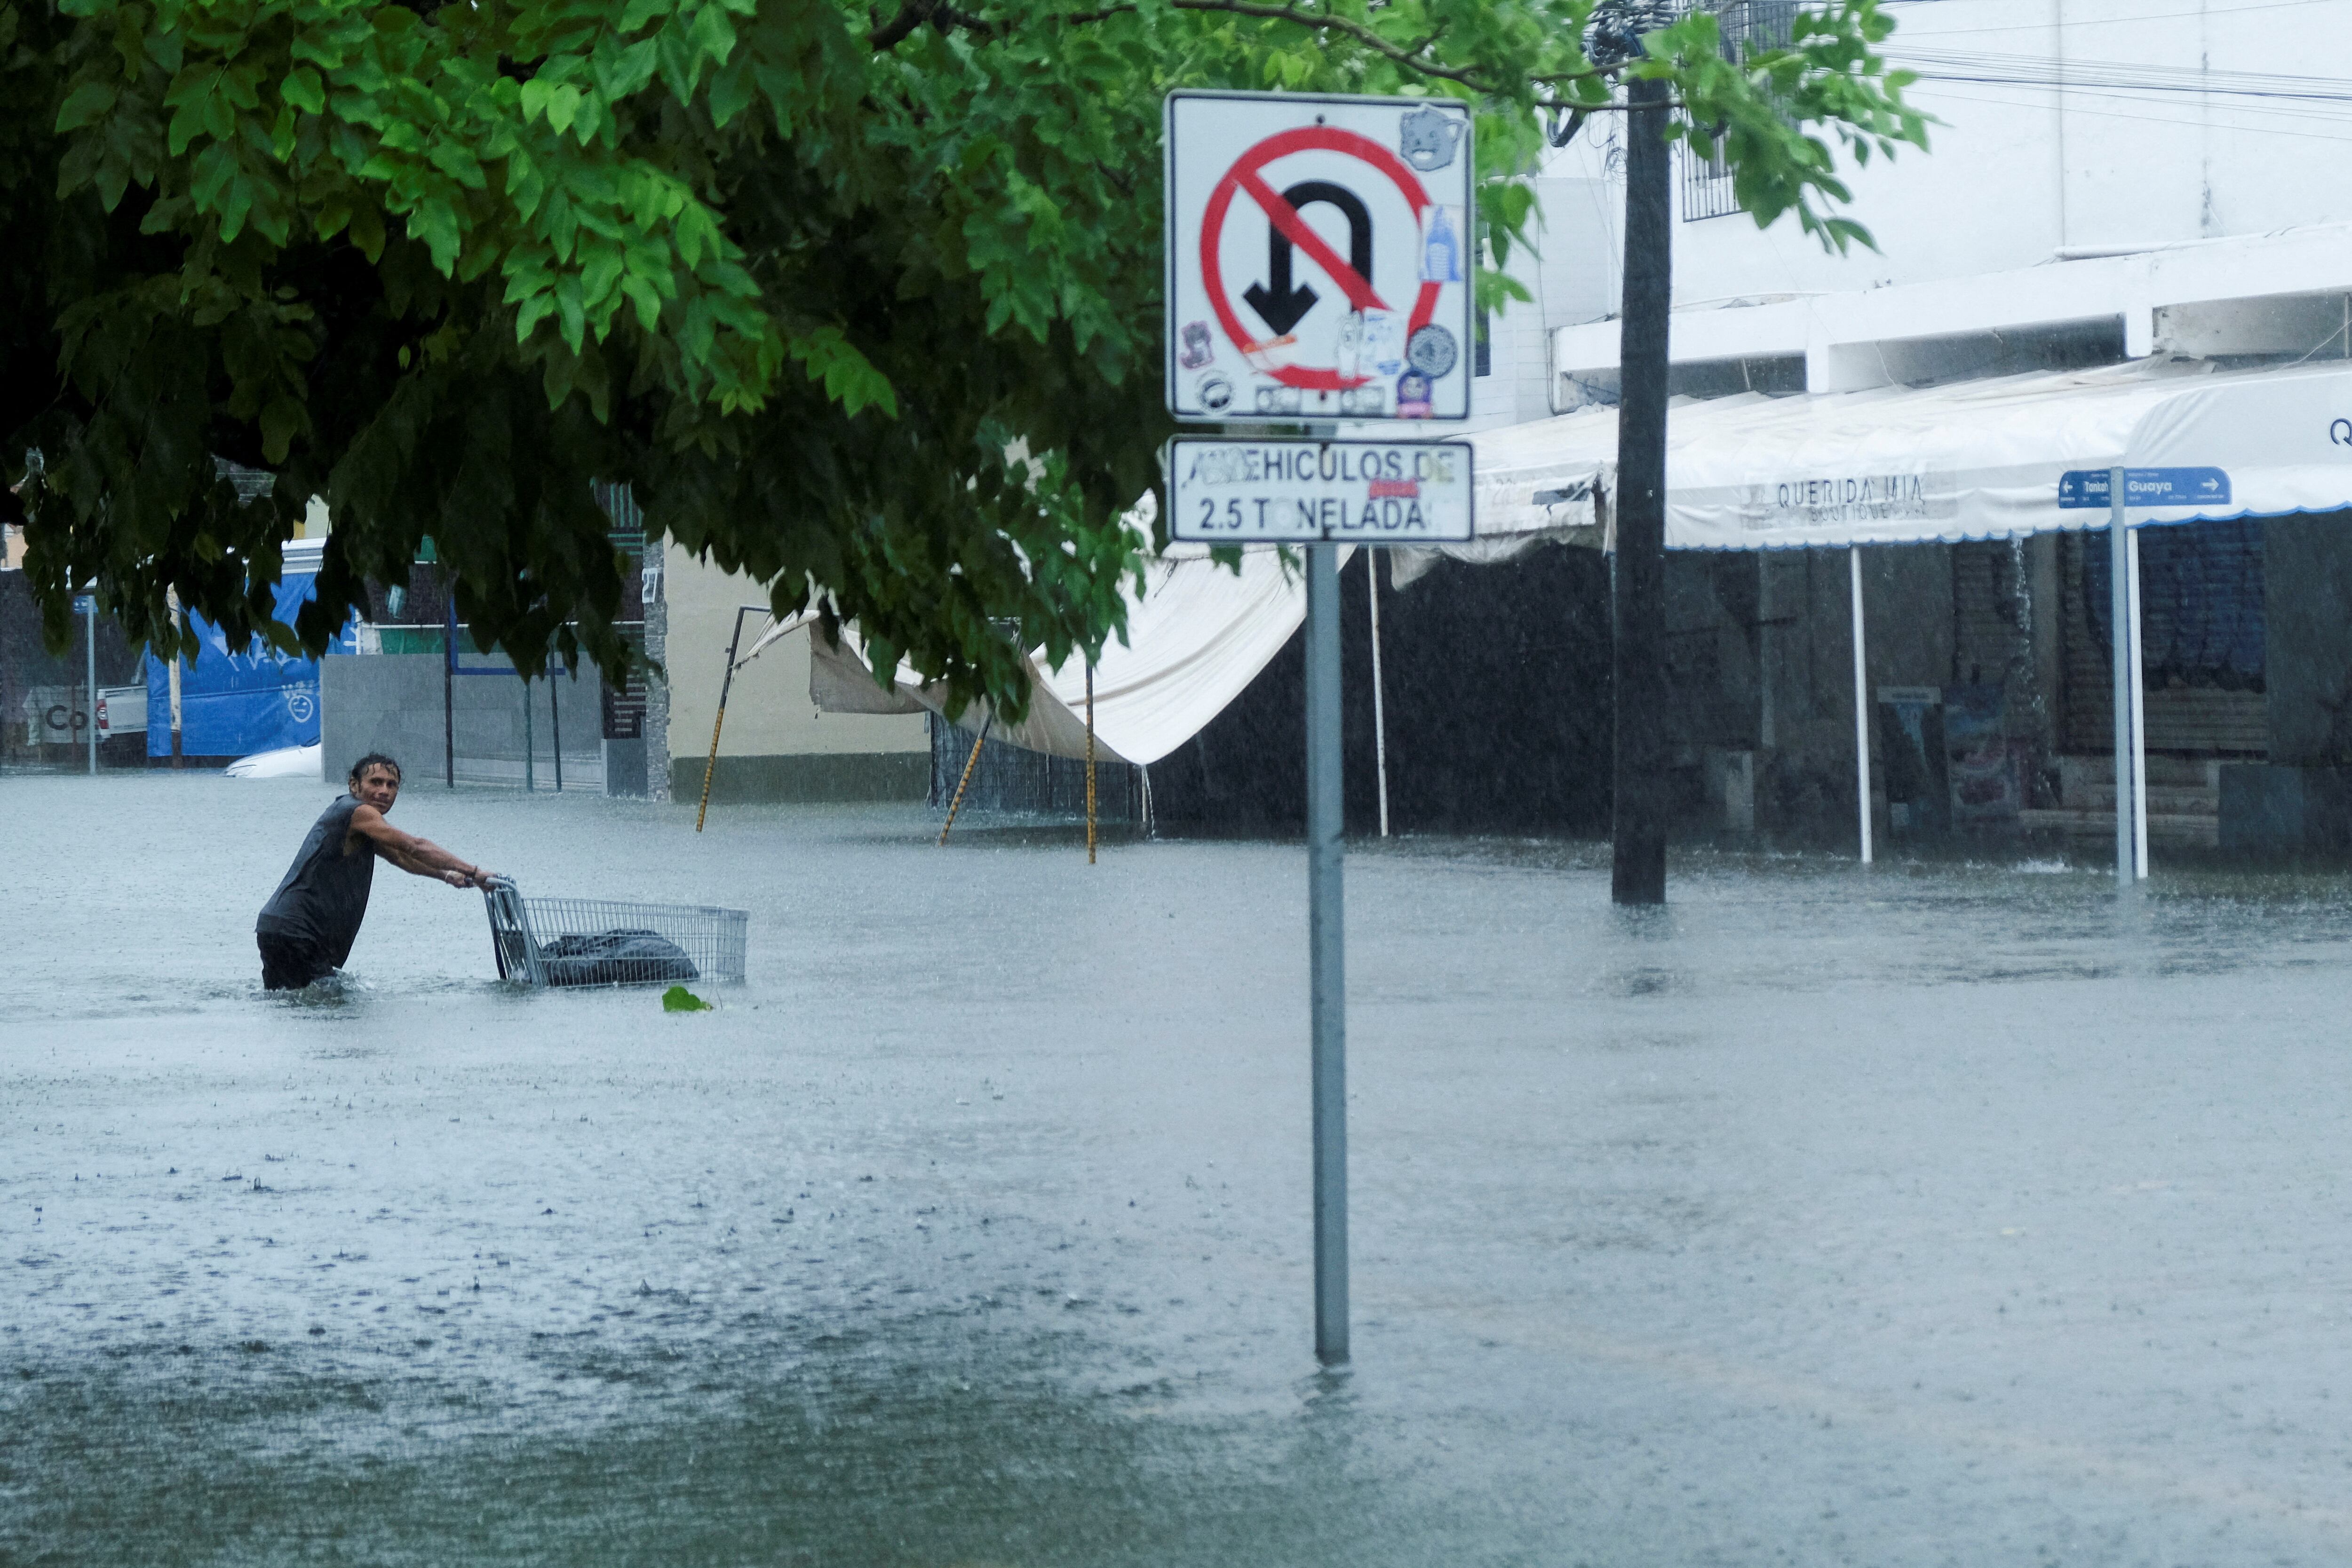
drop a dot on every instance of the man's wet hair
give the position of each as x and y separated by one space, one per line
375 760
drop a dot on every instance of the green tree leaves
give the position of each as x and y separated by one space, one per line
864 304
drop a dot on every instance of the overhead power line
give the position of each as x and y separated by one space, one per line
2176 121
2042 70
2209 12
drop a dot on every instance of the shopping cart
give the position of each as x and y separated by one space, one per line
610 942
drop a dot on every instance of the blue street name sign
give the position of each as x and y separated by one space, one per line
84 603
2080 488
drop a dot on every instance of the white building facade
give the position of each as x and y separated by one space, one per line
2113 183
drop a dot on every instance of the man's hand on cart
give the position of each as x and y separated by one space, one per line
473 876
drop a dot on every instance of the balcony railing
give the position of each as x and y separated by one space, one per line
1746 28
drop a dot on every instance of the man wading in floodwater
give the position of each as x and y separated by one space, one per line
307 928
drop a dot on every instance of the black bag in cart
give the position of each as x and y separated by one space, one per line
609 942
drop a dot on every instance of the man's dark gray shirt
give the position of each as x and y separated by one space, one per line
324 895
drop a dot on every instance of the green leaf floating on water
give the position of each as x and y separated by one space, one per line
679 1000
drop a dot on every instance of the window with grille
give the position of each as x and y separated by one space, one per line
1746 28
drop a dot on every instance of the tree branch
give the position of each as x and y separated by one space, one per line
913 13
1412 57
1555 104
1365 35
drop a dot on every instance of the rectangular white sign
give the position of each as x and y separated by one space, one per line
1321 256
1344 492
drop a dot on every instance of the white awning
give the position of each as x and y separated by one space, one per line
1197 636
1973 460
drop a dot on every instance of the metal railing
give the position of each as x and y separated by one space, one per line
504 731
1745 26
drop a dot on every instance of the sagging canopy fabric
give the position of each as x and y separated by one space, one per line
1973 460
1197 636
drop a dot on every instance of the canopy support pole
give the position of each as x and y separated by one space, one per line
2119 626
1090 762
1861 704
2139 720
1379 714
555 729
529 751
448 692
720 722
968 764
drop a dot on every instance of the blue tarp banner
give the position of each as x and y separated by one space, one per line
234 705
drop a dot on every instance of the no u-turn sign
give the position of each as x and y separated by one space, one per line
1320 257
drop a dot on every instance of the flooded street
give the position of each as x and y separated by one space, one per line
1950 1215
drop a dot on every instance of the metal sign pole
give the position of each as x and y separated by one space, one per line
171 676
1326 953
1380 714
1286 490
2119 613
1240 169
2179 487
448 692
90 621
2138 715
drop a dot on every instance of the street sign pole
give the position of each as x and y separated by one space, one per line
1320 257
1326 953
2119 630
1321 493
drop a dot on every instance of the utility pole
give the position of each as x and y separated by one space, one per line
1637 584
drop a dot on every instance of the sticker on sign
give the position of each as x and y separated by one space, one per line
1319 258
1344 492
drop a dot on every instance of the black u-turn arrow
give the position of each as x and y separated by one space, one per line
1276 301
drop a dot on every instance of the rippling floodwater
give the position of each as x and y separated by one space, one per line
1957 1216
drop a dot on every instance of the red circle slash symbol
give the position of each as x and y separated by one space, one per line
1244 176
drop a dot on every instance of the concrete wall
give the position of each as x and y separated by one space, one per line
393 703
776 746
1572 274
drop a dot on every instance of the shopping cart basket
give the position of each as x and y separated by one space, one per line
610 942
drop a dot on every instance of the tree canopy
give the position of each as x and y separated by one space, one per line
800 272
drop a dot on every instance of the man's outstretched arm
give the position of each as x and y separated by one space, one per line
422 857
417 867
